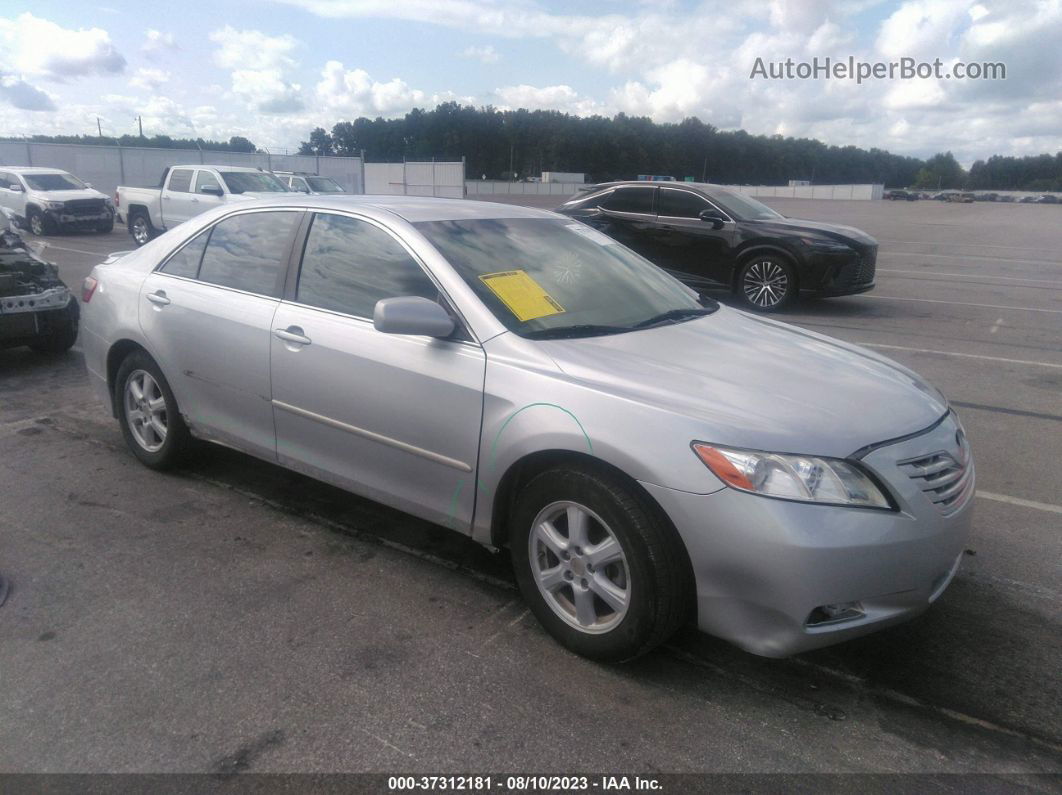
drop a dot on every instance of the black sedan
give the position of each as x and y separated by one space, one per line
709 237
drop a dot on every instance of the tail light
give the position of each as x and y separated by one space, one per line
88 287
117 199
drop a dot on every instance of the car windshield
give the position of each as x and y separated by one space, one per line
547 278
254 181
54 182
324 185
744 208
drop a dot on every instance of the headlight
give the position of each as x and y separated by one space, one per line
54 205
824 244
829 481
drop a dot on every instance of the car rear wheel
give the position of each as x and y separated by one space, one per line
766 283
141 228
601 570
147 410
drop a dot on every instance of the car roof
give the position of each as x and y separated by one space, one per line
33 170
655 183
411 208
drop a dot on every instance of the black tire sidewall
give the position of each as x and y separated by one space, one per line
62 338
791 292
43 222
176 433
629 522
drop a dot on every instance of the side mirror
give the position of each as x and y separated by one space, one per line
16 187
412 315
713 217
88 184
213 190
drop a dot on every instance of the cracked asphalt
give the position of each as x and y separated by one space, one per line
234 617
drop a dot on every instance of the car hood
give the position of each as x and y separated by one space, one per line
68 195
756 383
790 226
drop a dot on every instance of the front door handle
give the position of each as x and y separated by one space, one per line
292 334
158 297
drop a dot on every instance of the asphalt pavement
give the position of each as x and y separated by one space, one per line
236 617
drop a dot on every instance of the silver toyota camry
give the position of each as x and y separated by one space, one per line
646 456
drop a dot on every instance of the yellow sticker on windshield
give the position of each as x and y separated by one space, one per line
524 297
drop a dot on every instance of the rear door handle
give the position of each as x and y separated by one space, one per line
158 297
292 334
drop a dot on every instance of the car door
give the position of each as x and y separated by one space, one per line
207 313
627 215
395 418
8 194
177 196
693 249
208 192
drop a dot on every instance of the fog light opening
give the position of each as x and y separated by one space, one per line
834 613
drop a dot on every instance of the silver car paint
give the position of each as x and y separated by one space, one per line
634 401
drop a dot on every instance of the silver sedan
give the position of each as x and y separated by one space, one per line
646 456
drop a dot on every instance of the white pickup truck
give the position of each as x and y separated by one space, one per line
186 191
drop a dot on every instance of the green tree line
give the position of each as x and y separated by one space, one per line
521 143
236 143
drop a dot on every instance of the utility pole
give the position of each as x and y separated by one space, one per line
99 127
512 176
704 172
140 124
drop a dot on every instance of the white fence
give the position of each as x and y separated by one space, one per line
476 187
444 179
106 167
858 192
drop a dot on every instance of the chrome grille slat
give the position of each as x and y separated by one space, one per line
944 477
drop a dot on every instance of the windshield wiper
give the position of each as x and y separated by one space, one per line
674 316
580 330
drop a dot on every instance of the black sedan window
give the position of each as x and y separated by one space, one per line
630 200
680 204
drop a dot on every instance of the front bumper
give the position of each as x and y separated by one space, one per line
845 274
762 566
67 220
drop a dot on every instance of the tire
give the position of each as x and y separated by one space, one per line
141 228
38 223
155 450
106 227
63 336
766 283
648 581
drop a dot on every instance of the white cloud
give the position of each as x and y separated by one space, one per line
353 91
559 97
20 94
149 79
484 54
36 47
260 65
157 42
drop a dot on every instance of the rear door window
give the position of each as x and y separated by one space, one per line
249 252
185 261
630 200
181 180
348 265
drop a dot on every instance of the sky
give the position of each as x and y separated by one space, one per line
272 70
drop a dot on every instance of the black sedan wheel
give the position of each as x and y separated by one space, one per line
766 283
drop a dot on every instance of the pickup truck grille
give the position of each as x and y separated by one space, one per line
946 477
83 207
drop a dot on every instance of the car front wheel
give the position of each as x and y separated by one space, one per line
766 283
141 228
147 410
600 569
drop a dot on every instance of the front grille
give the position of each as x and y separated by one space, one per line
83 207
867 267
946 478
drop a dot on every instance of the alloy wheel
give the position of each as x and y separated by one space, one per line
765 284
145 410
36 224
579 567
140 230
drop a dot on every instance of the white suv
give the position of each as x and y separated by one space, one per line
49 200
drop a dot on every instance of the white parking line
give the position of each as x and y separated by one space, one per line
76 250
972 276
1039 506
962 355
963 303
964 245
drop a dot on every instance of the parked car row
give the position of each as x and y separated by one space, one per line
49 200
967 197
646 454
